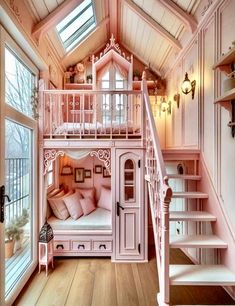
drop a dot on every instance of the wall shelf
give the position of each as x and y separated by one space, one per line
225 61
84 86
226 97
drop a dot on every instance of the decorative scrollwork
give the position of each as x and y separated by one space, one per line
50 156
15 9
104 156
206 7
115 46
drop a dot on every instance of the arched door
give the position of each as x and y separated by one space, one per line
129 205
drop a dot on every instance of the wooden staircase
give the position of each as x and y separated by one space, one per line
193 215
198 274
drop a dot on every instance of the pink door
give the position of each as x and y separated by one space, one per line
129 205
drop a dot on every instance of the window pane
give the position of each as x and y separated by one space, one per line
77 25
18 84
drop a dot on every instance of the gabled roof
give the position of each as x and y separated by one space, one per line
155 31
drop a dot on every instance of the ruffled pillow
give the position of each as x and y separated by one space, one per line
73 205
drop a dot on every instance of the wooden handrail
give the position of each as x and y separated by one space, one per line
160 195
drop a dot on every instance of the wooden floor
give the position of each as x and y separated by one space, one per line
98 282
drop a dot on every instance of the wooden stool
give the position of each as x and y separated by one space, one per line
46 254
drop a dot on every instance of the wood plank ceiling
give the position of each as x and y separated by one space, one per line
150 29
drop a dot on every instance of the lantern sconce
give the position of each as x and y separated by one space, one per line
165 106
188 86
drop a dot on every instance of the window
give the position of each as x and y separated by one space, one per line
19 84
113 80
50 175
77 25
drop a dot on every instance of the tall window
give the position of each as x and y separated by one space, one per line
19 153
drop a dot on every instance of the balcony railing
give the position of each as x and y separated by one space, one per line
17 174
91 114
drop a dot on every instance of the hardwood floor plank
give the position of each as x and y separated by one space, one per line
126 289
105 292
32 290
59 283
81 291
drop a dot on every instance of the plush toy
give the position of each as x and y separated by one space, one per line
79 73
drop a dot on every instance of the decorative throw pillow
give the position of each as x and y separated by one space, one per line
87 192
87 205
73 205
58 207
105 200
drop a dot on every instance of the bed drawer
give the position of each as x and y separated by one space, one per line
81 245
102 246
61 246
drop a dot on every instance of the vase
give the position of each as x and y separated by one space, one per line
9 247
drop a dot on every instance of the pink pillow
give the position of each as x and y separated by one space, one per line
58 207
87 206
87 192
73 205
105 200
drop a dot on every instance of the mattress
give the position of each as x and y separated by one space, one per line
100 219
92 128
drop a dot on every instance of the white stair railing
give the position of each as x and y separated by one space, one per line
159 197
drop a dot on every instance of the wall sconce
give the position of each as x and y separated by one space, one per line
67 170
165 106
188 86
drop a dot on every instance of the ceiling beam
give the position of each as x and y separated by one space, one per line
152 23
141 59
55 17
113 11
187 19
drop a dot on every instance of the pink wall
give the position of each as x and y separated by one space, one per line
89 163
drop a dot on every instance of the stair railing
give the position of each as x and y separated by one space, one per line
159 198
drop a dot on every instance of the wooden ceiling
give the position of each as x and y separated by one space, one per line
152 30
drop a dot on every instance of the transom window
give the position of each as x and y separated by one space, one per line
77 25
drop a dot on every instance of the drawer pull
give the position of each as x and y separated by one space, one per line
81 246
102 246
59 246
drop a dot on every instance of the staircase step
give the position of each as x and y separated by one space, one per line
197 241
205 275
190 195
184 177
191 216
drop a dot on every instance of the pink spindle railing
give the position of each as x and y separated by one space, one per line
96 114
159 197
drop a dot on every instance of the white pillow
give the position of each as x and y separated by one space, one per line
105 200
